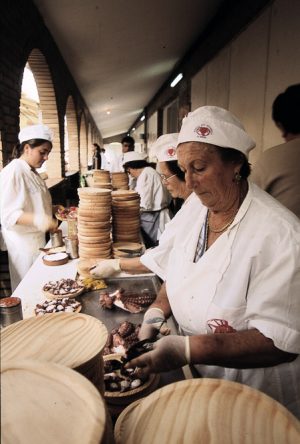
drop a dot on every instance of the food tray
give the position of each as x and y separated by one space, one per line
113 318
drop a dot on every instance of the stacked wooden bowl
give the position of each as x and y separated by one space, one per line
126 216
74 340
119 181
101 179
94 222
48 403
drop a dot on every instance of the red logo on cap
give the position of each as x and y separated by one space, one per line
203 130
171 152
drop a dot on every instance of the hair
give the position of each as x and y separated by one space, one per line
228 155
136 164
130 141
286 109
174 169
33 143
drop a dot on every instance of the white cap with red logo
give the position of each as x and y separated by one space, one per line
216 126
35 132
165 147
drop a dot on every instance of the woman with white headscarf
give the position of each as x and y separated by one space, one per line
232 275
26 207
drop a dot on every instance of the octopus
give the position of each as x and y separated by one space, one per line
119 379
121 338
133 302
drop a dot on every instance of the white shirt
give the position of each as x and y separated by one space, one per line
249 278
156 259
153 194
22 190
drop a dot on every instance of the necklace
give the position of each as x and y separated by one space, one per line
220 230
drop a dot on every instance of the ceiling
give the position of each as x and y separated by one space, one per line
121 52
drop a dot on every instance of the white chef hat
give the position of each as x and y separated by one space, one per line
165 147
216 126
133 156
35 132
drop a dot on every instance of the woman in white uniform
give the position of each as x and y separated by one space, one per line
173 179
232 274
26 207
154 213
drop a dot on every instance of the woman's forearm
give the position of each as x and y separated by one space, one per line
26 219
162 301
133 265
244 349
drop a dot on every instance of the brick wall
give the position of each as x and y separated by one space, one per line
24 38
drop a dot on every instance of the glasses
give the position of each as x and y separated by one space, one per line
165 178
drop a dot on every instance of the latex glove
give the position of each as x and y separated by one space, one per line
44 223
154 322
168 353
106 268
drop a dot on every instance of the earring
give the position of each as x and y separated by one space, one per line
237 177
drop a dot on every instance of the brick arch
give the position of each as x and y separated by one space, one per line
83 153
41 72
72 129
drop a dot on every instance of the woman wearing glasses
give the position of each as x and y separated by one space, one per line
173 179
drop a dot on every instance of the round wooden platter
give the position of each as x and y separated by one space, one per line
51 404
70 339
133 394
49 295
50 259
90 191
213 409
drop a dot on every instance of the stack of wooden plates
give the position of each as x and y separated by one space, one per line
74 340
48 403
126 216
119 181
101 179
94 222
206 411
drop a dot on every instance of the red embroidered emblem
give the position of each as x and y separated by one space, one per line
171 152
203 130
220 326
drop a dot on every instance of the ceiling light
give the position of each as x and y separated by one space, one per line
133 129
107 112
176 80
142 118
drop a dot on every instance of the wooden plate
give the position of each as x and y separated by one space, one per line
50 295
129 395
40 405
209 411
49 259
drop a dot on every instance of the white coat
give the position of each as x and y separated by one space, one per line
156 259
155 199
249 278
22 190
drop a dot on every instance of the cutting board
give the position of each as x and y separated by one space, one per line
47 403
207 411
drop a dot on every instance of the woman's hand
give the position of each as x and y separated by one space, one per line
168 353
105 268
154 322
